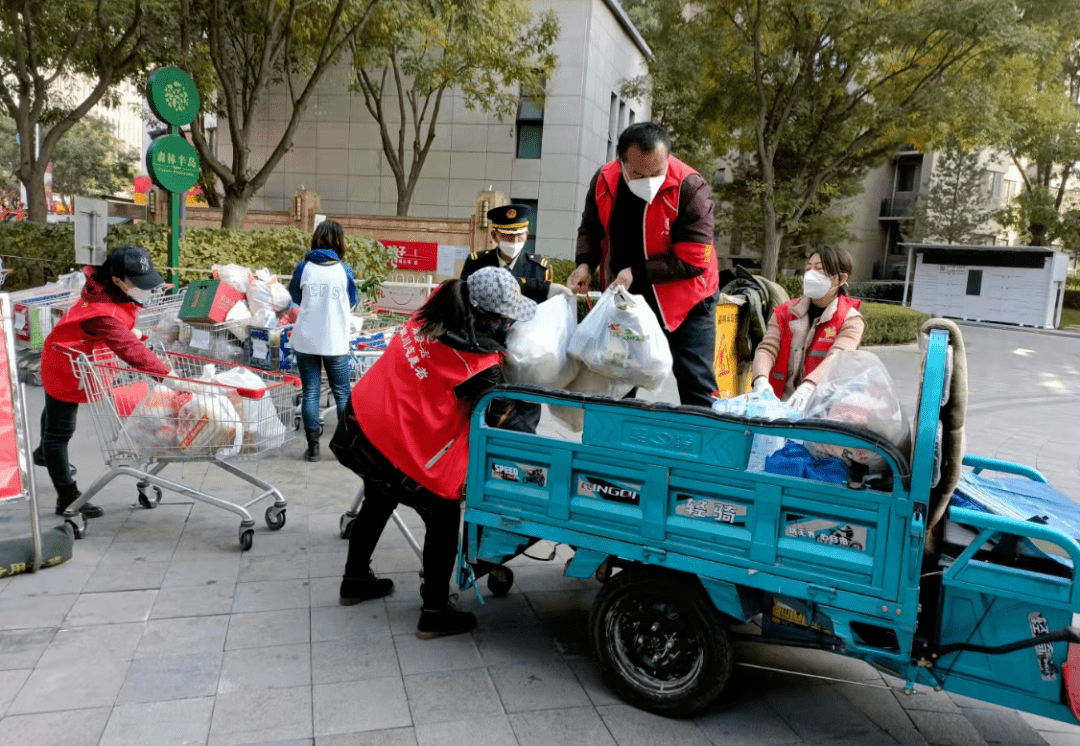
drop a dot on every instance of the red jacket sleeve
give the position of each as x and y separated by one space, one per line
113 333
692 230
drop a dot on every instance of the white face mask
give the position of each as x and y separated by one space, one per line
816 285
511 249
645 188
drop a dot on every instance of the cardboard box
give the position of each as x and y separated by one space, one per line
209 301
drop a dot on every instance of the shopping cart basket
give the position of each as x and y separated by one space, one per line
36 311
145 422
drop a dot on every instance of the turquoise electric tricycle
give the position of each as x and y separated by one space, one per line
693 549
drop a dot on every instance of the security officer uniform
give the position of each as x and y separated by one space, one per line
532 271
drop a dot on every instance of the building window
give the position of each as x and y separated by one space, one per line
530 244
530 128
995 189
905 177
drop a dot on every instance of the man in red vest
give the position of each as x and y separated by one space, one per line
648 226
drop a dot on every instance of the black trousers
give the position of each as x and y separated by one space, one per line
385 487
58 420
693 351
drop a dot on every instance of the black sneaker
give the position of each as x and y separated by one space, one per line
444 621
39 460
355 590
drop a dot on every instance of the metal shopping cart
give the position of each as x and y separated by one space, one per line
146 422
35 312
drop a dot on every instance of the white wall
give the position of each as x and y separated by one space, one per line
337 149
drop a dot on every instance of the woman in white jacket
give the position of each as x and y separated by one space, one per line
324 288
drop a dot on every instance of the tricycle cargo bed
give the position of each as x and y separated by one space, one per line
669 486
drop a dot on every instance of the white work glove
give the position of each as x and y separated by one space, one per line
801 396
761 385
556 290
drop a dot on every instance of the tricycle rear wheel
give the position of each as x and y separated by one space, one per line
660 642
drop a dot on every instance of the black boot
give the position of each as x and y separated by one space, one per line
355 590
39 460
68 494
444 621
312 452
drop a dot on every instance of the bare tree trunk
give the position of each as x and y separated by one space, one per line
235 208
404 197
33 180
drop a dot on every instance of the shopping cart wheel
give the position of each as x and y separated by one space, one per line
78 525
345 523
247 538
145 501
275 518
297 423
500 580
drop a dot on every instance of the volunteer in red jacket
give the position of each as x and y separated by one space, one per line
406 432
648 225
805 333
102 318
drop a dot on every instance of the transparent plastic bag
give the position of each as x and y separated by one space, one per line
536 349
621 339
587 382
72 281
760 405
233 275
857 389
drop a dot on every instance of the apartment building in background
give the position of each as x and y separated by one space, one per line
544 156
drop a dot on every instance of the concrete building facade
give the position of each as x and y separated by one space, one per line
544 158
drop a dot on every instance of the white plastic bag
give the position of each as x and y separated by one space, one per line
263 428
587 382
760 405
858 389
209 423
234 275
237 316
72 281
621 339
536 349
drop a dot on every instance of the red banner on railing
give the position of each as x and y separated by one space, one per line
11 485
417 255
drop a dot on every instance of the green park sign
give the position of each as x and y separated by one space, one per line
173 163
172 96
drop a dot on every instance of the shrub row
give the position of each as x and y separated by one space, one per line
1072 298
39 252
887 324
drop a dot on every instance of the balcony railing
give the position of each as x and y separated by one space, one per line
897 207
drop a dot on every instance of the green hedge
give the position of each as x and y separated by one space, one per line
44 251
1072 298
887 324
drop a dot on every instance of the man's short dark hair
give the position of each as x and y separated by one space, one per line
646 135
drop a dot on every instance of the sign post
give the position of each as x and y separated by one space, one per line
171 160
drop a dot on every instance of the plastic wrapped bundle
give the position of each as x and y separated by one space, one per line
858 390
587 382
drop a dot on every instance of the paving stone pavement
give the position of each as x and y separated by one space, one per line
160 631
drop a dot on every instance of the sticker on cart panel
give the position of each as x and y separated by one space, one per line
627 493
512 471
714 510
1044 651
825 531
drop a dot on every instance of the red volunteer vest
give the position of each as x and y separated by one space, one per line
675 299
818 349
406 406
57 376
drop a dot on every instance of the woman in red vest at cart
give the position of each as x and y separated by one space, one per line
406 432
102 318
805 332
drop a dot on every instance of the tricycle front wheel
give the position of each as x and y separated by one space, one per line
660 642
